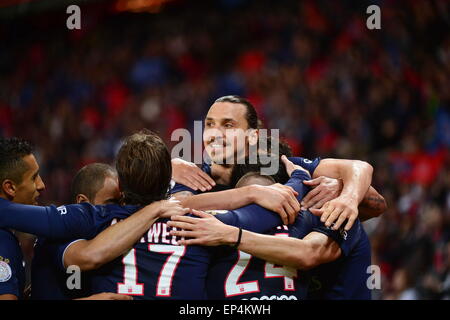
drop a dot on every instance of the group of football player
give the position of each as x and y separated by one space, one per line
160 228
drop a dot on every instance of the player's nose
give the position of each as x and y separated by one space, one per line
40 184
213 135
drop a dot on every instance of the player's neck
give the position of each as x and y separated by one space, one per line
221 173
3 196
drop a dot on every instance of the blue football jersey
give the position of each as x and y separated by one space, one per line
12 271
85 221
48 275
237 275
149 270
156 268
346 278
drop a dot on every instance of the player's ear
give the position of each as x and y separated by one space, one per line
9 188
81 198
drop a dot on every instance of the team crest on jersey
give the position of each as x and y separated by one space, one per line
5 271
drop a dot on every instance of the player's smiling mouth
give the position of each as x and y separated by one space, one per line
216 145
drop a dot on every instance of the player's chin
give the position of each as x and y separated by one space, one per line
217 157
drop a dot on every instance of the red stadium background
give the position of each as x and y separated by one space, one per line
313 69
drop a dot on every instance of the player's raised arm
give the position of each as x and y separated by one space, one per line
325 189
118 238
372 206
356 176
65 222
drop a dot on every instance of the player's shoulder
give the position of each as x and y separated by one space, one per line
8 242
307 164
302 160
206 167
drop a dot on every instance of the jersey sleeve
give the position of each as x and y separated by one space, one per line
303 225
307 164
9 275
64 222
258 219
56 251
347 240
59 252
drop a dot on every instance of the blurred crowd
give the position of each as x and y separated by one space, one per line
311 68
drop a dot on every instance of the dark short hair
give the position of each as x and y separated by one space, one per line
249 176
251 115
90 179
144 168
12 152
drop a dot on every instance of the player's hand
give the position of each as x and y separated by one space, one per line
190 175
207 231
291 167
336 211
107 296
278 198
323 189
168 208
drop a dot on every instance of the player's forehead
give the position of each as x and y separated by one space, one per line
220 111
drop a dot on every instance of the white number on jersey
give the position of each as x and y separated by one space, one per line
232 285
130 274
164 286
131 286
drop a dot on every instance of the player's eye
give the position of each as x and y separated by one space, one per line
228 125
209 124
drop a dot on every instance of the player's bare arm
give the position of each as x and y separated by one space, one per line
120 237
8 297
278 198
325 189
372 206
309 252
356 176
